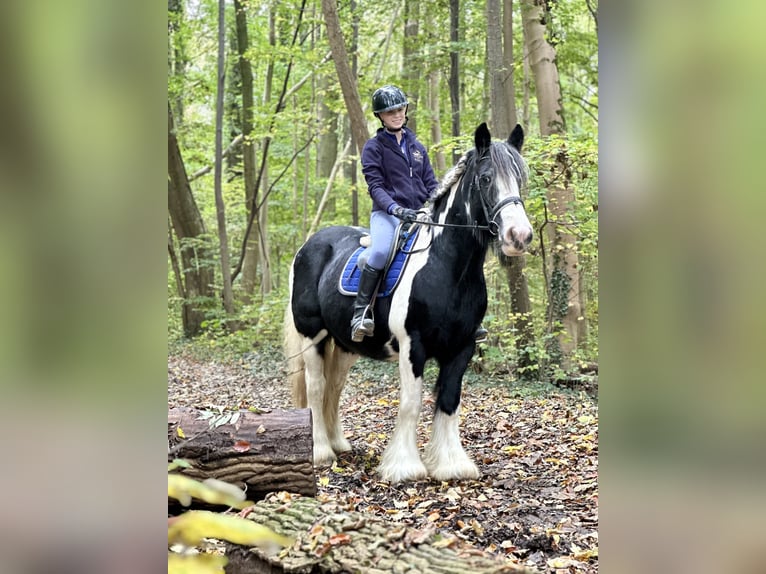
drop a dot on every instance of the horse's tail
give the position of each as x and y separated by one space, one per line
293 349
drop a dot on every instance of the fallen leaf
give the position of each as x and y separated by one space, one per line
241 446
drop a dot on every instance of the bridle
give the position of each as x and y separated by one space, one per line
490 212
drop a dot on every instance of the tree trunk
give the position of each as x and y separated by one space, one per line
196 256
526 83
440 162
412 66
260 453
500 120
327 147
352 167
564 282
454 71
253 221
251 260
228 298
332 539
507 80
502 103
177 58
345 77
261 230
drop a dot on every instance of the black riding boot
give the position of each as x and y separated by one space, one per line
362 323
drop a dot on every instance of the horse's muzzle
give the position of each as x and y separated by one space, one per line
516 240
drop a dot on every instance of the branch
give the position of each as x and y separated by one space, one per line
200 172
289 163
327 188
252 207
582 102
593 12
299 84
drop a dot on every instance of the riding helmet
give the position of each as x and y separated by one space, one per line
388 98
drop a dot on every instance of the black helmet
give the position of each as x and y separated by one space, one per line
388 98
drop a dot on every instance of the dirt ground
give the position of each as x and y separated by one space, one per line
536 502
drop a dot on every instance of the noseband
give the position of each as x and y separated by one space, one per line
491 213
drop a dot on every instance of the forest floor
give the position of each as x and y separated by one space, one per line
536 445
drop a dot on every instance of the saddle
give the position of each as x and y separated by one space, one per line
400 252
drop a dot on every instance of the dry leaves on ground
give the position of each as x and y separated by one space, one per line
536 500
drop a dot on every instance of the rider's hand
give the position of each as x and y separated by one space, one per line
404 213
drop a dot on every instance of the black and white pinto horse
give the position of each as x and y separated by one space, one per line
433 313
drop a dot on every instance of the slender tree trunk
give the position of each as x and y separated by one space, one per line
412 66
345 77
507 80
252 253
327 148
352 171
501 108
177 59
196 256
526 83
327 144
228 299
252 224
502 103
564 303
262 229
440 162
454 71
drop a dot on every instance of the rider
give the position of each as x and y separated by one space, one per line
399 179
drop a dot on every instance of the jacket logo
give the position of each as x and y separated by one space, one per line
417 156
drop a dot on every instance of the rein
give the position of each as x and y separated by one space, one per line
492 226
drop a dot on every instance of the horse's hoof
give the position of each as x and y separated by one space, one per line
400 473
467 471
451 468
324 456
341 445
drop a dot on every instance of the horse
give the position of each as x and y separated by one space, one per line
434 312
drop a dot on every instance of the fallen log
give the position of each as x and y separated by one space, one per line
331 538
260 453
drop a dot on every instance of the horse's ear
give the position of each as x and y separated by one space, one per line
482 137
516 139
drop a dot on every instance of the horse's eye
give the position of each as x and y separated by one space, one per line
485 180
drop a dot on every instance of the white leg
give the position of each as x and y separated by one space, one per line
337 366
401 460
444 455
315 391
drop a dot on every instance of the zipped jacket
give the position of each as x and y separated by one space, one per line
393 178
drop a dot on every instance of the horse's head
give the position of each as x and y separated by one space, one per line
499 176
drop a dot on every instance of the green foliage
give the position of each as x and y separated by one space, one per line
295 189
192 527
543 352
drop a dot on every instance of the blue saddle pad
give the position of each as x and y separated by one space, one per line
349 280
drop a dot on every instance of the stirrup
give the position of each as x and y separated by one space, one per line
365 328
481 335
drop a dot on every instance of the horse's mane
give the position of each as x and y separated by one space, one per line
451 178
505 156
508 160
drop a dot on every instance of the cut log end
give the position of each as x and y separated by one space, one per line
260 453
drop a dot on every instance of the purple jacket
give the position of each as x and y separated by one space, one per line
392 178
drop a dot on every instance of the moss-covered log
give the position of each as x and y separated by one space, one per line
332 539
261 453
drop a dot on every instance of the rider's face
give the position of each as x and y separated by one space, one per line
394 118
